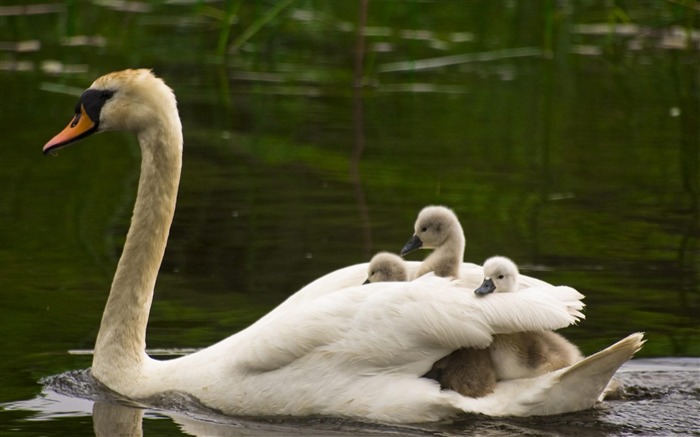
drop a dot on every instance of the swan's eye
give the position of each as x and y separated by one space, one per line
424 229
501 276
106 94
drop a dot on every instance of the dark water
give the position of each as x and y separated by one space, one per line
663 396
564 134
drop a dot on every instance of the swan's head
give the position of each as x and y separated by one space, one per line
386 267
500 276
131 100
435 226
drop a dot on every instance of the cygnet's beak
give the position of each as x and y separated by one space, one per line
486 287
413 244
366 282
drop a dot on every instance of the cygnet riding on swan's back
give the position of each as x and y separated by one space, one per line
386 267
524 354
545 355
528 354
468 371
438 228
474 372
354 352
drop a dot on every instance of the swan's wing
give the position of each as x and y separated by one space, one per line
292 332
439 308
350 276
528 282
566 294
574 388
399 323
471 276
422 320
340 279
530 309
345 277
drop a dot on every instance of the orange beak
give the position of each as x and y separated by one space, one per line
80 127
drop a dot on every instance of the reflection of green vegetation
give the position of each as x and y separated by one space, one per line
585 165
228 17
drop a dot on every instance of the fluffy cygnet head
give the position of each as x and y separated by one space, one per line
434 226
500 276
386 267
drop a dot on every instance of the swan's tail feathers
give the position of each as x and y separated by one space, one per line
582 385
574 388
608 360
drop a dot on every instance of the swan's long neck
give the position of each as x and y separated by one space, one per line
445 260
121 341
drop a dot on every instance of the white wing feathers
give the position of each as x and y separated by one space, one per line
399 323
533 309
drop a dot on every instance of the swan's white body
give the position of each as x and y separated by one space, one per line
358 351
354 352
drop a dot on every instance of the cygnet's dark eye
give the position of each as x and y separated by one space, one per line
424 229
501 276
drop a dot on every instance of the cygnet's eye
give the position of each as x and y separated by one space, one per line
501 276
424 229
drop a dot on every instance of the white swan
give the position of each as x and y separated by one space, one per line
355 352
524 354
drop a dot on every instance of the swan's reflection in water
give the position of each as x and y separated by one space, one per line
78 394
663 399
116 420
113 418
